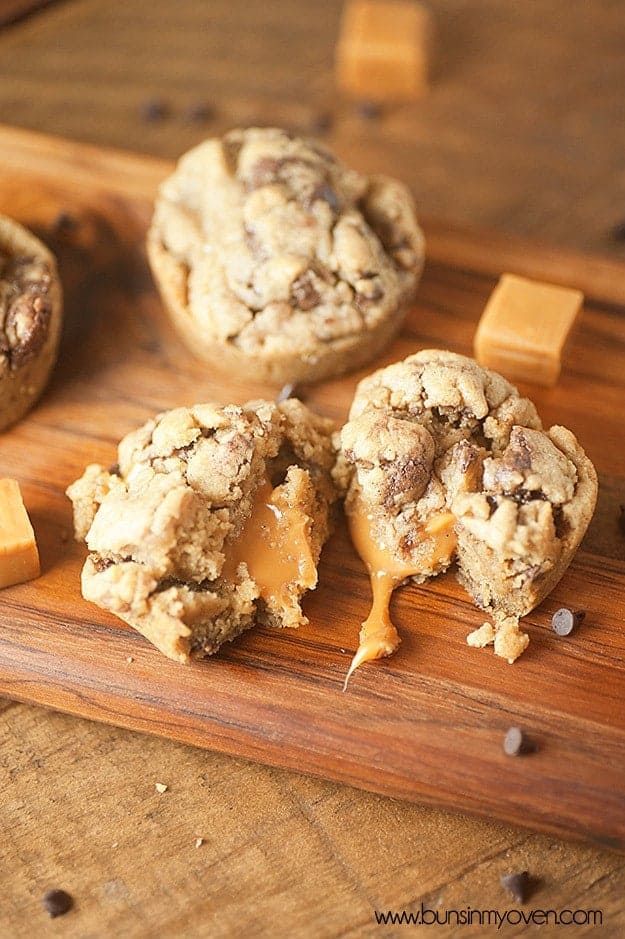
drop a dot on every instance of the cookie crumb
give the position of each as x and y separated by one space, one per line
160 787
514 742
129 658
518 885
199 842
510 642
115 844
481 637
564 621
57 902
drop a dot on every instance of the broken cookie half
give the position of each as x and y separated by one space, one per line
442 460
212 520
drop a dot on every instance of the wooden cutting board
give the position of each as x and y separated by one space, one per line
426 724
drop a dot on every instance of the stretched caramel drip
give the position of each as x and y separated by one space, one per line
275 546
378 636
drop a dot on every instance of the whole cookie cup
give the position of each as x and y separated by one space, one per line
30 319
276 261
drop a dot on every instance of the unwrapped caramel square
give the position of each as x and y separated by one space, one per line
524 327
383 49
19 558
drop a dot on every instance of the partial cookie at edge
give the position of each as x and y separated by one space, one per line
30 319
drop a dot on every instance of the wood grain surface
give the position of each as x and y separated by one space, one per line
426 724
523 131
12 11
523 128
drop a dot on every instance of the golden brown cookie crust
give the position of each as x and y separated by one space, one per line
274 259
30 319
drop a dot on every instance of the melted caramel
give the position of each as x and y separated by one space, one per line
378 636
275 546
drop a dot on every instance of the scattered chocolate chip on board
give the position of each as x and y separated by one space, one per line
154 110
518 885
200 112
57 902
514 742
564 621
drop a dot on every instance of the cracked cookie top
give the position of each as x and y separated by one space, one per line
284 247
185 483
421 428
213 519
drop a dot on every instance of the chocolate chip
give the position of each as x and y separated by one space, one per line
324 193
101 564
304 296
57 902
199 112
63 222
618 232
114 469
524 496
564 621
514 742
27 319
561 522
369 110
287 391
321 123
263 172
153 110
518 885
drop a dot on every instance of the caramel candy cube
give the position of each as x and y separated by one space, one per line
383 49
19 558
524 327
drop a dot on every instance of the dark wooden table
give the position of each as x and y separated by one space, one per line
523 131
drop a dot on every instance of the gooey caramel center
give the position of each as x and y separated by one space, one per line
274 544
378 635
